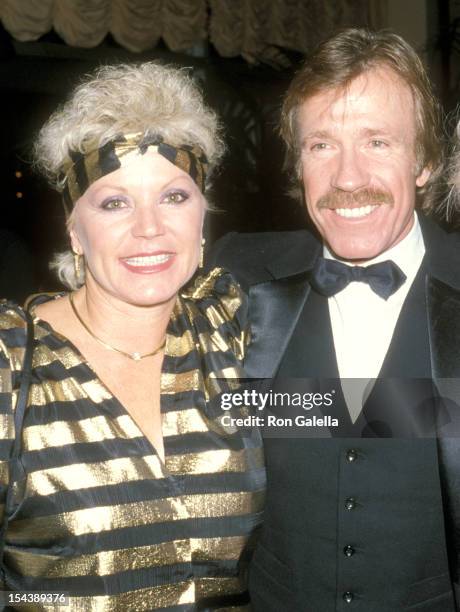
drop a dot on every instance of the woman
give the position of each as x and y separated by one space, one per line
133 496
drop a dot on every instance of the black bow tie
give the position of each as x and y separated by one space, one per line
329 277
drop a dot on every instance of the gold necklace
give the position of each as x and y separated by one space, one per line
134 356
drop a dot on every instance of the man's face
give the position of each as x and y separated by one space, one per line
358 164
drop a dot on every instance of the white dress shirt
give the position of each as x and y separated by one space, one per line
363 323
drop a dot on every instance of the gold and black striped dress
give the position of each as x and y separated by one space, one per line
97 514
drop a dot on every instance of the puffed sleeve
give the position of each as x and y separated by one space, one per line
12 341
223 304
10 333
6 422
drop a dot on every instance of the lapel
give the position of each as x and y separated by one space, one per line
442 293
274 309
275 306
443 311
443 302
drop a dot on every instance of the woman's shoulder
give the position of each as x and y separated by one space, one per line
13 335
12 316
13 319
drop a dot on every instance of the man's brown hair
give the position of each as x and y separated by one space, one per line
336 63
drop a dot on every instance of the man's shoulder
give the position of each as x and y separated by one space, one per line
443 252
255 257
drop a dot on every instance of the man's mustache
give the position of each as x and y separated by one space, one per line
364 197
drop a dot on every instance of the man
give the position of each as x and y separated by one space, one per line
363 519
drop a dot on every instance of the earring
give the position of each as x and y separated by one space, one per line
203 242
76 265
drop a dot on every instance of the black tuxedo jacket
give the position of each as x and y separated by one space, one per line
273 269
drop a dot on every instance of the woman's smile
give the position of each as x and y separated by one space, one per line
145 263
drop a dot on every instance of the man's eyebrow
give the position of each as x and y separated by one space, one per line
382 131
366 132
315 134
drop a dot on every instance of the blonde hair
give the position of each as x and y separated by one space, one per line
119 99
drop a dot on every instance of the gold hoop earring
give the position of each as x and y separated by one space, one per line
203 243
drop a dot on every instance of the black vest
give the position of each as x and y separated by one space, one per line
354 520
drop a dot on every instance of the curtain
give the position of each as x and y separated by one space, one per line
258 30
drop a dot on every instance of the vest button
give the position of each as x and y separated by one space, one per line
348 551
348 597
352 455
350 503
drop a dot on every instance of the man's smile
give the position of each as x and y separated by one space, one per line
355 213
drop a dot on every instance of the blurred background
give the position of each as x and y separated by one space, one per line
243 52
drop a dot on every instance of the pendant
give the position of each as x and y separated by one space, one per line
136 356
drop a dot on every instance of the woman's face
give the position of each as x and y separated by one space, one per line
139 229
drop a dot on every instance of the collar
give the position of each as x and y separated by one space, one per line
293 253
